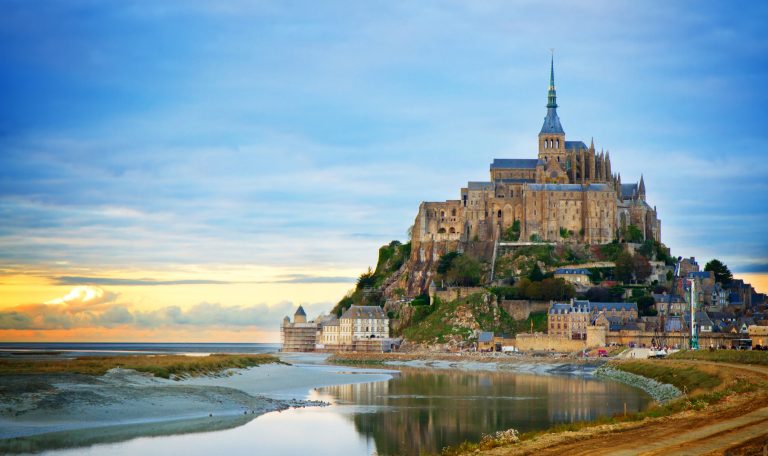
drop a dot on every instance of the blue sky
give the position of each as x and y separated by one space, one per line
303 135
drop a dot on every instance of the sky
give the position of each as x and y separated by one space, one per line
194 170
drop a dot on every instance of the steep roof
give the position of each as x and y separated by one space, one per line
300 311
575 145
628 191
572 271
514 163
359 312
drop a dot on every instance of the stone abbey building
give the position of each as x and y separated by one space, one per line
569 191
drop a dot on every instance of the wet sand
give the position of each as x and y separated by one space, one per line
36 411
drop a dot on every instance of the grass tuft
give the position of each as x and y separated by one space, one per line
165 366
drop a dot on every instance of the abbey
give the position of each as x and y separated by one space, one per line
568 193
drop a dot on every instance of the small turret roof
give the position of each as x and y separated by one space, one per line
300 311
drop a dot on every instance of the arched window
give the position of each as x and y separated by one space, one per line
441 231
442 214
453 212
452 230
499 214
558 143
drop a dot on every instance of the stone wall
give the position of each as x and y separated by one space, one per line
539 342
520 309
675 339
452 293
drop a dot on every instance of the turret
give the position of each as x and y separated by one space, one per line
300 316
641 189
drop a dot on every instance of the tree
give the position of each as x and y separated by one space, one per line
598 294
641 267
536 275
624 267
465 271
444 264
634 234
617 293
513 232
556 290
723 275
647 248
366 280
645 306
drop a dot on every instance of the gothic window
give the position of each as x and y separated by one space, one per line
442 214
558 143
499 214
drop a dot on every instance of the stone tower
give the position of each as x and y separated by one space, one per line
552 136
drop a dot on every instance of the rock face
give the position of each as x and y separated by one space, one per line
417 273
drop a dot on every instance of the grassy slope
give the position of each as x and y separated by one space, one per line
725 356
161 366
684 378
437 323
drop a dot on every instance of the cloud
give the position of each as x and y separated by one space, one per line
90 307
305 278
80 280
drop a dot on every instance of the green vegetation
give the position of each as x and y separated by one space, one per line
723 275
610 252
725 356
633 234
565 234
536 275
160 366
545 290
455 268
513 232
645 305
684 378
366 291
437 323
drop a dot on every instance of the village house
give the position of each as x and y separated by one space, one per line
579 276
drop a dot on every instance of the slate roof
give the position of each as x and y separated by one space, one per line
618 306
552 123
669 298
479 185
628 191
515 163
572 271
673 324
300 311
575 145
358 312
699 275
516 181
485 336
570 187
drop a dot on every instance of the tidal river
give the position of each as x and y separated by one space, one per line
414 411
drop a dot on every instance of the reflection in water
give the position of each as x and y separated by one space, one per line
419 411
424 411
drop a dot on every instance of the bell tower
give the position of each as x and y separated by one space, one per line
552 136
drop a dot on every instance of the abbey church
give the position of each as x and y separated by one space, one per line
569 192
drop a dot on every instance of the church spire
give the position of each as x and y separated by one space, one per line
552 96
552 122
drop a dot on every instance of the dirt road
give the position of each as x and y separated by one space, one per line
737 426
